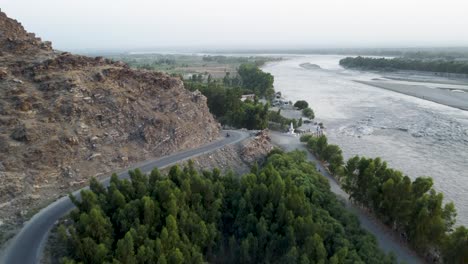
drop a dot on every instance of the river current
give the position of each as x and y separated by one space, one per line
418 137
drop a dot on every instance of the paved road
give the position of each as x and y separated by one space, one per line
27 246
387 242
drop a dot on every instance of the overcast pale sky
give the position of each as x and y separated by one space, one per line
136 24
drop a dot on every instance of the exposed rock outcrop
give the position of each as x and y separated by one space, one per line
65 118
238 158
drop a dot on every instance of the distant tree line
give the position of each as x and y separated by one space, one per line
147 63
256 60
283 212
442 66
413 208
434 55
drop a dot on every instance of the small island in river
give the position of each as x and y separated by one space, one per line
310 66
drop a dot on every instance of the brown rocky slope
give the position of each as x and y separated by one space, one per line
65 118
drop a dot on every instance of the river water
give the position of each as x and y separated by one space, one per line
418 137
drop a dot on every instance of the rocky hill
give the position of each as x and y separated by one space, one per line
65 118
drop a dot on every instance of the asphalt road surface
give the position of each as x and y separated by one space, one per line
27 246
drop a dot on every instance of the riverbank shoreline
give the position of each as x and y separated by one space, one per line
440 96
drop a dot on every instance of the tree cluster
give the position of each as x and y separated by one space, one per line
301 104
308 112
281 213
257 81
330 153
223 97
443 66
226 105
281 121
413 208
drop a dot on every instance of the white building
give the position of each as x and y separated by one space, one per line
291 130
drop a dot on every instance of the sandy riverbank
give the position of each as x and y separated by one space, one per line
416 79
441 96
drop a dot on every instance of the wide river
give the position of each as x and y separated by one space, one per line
418 137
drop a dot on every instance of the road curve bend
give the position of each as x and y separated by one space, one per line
27 246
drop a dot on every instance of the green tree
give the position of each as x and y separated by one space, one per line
259 82
456 245
176 257
308 112
125 250
301 104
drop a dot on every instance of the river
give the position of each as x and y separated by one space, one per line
418 137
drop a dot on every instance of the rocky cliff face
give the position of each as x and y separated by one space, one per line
65 118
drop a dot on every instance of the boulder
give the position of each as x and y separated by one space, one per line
3 73
23 134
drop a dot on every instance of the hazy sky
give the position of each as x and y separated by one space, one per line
133 24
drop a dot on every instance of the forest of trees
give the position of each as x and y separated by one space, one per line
442 66
413 208
283 212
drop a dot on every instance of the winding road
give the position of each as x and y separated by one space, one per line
27 246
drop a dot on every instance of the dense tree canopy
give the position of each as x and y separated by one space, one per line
226 105
301 104
368 63
413 208
281 213
257 81
308 112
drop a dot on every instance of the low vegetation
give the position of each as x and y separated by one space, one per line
185 64
281 213
413 208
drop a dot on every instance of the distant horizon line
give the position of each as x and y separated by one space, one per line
271 50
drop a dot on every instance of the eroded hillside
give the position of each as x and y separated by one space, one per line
65 118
